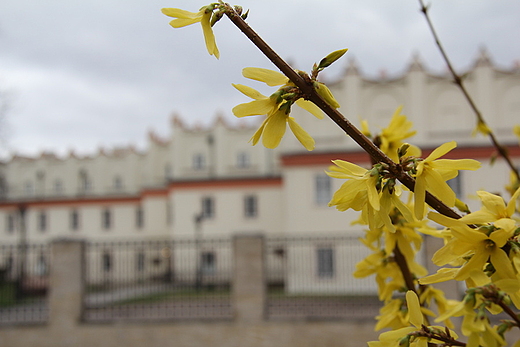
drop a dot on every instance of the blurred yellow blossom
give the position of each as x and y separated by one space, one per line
391 137
481 128
184 18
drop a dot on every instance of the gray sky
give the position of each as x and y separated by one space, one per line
85 74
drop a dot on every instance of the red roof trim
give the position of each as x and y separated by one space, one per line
228 183
308 159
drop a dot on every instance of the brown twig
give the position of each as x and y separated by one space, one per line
460 83
308 90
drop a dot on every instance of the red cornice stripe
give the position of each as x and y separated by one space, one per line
309 159
72 202
229 183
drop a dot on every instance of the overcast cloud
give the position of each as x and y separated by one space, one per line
85 74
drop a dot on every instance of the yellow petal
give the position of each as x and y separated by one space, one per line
305 139
511 206
269 77
274 129
248 91
178 13
442 275
256 136
208 35
350 168
441 150
310 107
502 264
253 108
414 309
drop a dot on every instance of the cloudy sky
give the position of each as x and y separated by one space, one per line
85 74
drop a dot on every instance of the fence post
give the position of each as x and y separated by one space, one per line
66 283
248 278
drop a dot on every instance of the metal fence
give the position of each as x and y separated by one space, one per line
24 270
311 278
158 280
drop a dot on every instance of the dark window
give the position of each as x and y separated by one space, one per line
208 263
325 262
140 262
106 219
107 262
250 206
139 217
118 183
10 223
42 221
74 220
243 161
322 184
199 162
208 208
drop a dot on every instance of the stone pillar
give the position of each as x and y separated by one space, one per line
66 283
248 278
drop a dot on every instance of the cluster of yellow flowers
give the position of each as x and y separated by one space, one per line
481 248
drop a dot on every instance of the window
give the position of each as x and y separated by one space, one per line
118 183
199 162
456 185
139 217
208 208
243 161
139 264
250 206
325 258
168 171
106 262
10 222
42 221
74 220
208 263
323 191
106 219
41 266
29 188
85 184
58 186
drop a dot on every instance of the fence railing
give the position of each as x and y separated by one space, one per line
24 283
154 280
311 278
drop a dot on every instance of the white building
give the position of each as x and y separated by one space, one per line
213 172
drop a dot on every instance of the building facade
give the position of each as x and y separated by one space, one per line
209 182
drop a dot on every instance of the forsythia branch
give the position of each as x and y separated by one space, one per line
304 84
460 83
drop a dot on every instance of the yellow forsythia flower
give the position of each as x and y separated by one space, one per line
481 244
184 18
432 174
275 108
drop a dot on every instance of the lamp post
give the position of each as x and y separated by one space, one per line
198 239
23 252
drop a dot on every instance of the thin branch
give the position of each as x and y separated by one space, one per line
310 94
460 83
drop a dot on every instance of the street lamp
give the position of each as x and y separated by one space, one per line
23 251
198 218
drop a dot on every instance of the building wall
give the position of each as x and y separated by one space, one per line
221 164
